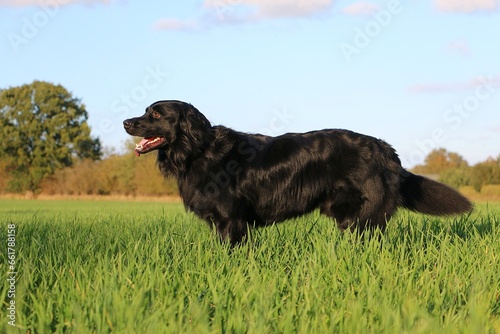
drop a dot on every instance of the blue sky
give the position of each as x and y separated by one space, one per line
418 74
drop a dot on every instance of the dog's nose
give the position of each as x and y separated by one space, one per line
127 124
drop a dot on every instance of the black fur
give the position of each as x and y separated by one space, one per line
234 180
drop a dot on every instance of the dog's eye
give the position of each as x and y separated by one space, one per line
156 114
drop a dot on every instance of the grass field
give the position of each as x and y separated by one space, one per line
129 267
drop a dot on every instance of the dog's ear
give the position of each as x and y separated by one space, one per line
193 136
195 126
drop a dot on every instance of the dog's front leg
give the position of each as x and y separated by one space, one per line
233 231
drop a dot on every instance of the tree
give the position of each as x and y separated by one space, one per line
456 177
484 173
440 160
42 128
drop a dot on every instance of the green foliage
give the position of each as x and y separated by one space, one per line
452 169
484 173
42 128
111 267
456 177
479 175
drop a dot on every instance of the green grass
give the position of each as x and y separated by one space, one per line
111 267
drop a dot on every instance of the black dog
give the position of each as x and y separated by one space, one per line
234 180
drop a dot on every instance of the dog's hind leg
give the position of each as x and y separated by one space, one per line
344 207
380 202
369 209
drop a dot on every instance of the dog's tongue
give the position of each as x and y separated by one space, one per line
140 145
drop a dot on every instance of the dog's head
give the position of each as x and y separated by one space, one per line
167 123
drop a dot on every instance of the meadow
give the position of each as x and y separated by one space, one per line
139 267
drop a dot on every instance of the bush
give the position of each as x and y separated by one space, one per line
115 175
457 177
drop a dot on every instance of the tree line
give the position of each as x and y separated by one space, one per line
453 169
47 148
115 174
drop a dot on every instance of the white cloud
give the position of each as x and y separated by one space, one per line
27 3
361 8
466 6
242 11
263 9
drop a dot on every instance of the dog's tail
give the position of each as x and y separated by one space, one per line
426 196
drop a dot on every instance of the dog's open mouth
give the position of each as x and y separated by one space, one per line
148 144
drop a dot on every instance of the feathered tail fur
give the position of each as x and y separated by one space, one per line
427 196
